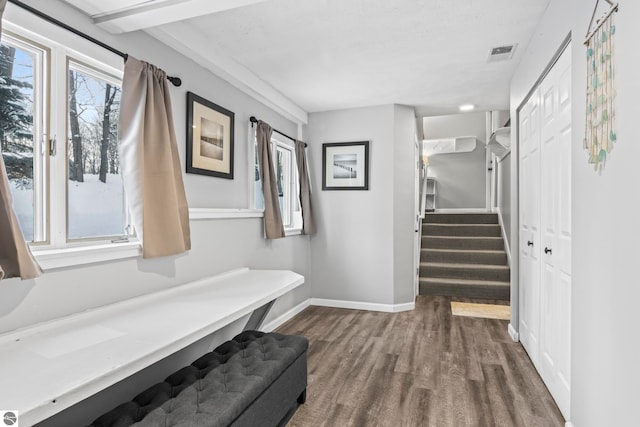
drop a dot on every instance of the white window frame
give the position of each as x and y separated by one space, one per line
292 219
63 46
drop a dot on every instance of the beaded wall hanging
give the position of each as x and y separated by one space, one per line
600 130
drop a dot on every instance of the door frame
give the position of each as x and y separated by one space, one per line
515 272
515 184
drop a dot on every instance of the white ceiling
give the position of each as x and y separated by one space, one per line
317 55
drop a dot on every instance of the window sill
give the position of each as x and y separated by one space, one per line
51 259
292 232
208 213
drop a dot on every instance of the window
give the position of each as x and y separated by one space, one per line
286 181
59 111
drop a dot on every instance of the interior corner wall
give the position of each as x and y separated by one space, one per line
605 373
404 209
352 252
460 177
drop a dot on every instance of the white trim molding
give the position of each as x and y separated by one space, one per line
568 424
515 336
51 259
280 320
214 213
359 305
464 210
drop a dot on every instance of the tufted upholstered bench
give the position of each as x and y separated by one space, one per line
255 379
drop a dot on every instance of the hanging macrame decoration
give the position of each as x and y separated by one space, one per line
600 130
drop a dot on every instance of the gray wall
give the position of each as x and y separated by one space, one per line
353 250
461 177
504 194
605 292
364 247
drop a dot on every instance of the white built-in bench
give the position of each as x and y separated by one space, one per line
54 365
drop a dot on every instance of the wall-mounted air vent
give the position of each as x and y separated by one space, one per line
502 53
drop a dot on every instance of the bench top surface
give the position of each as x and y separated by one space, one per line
51 366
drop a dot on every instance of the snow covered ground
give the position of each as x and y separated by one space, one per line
96 209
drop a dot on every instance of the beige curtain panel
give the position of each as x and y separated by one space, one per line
273 228
16 259
151 171
308 222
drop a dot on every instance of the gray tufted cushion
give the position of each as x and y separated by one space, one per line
215 389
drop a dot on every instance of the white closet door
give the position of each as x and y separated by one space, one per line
555 339
529 302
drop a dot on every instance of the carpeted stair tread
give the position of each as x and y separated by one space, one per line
465 256
462 242
471 230
461 218
465 281
465 271
461 265
486 289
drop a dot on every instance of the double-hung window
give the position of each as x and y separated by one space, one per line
287 183
59 113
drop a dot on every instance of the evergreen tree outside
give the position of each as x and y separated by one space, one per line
16 117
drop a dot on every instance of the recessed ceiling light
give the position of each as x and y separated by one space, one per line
467 107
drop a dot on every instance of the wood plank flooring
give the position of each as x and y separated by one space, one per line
419 368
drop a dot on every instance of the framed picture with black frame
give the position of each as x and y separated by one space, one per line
209 138
345 165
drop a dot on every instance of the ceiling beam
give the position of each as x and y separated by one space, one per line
150 14
191 43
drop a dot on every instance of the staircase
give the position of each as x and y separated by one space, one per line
463 256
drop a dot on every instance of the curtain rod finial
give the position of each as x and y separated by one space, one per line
176 81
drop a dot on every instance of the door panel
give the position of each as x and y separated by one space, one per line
530 226
545 198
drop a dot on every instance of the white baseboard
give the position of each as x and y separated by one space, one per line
354 305
463 210
357 305
515 336
568 424
504 236
280 320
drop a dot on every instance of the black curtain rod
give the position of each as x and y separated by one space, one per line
176 81
253 120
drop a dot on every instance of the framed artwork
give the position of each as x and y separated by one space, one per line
209 138
345 166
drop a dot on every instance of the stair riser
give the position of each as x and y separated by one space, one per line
480 218
465 291
491 258
498 275
462 230
435 242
